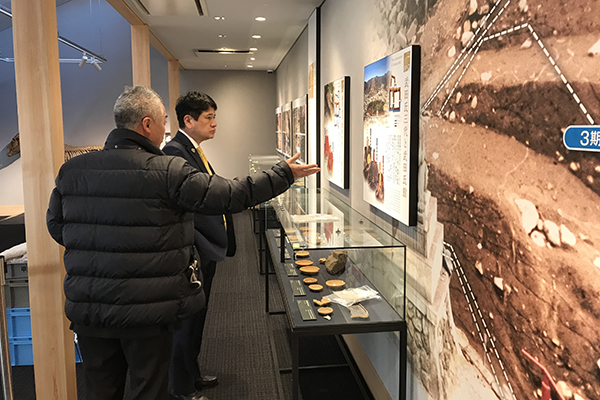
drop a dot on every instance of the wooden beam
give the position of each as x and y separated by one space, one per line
130 16
173 95
140 55
39 102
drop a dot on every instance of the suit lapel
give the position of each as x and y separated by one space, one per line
194 158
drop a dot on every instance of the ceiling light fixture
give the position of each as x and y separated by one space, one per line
96 65
219 18
250 66
260 19
253 49
252 58
255 36
83 60
222 36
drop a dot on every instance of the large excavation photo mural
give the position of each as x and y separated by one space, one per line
501 83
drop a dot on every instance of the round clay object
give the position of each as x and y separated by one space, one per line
322 260
315 287
335 283
302 253
309 281
310 270
304 263
325 310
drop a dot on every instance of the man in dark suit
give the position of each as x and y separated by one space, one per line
213 235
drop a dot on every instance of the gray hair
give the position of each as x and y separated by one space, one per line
134 104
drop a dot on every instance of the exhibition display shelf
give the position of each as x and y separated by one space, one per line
312 225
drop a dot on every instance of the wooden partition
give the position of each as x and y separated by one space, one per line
140 55
39 103
173 95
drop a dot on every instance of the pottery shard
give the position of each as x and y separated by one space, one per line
336 262
567 237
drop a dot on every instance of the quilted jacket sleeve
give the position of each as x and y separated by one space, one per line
54 216
194 191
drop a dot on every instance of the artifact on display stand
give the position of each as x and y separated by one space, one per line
358 311
335 284
309 281
310 270
315 287
325 310
323 302
303 263
302 253
336 262
322 260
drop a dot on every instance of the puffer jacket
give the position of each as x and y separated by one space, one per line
124 216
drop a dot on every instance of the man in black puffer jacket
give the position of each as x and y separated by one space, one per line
124 215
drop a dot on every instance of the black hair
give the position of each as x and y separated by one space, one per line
193 104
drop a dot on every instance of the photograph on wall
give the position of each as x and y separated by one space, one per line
286 129
336 150
278 130
391 134
299 129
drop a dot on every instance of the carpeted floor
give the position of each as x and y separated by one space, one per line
243 345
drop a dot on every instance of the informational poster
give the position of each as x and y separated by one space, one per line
299 129
391 134
278 130
286 129
336 151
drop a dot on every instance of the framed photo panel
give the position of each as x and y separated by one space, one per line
336 121
391 134
278 138
300 128
286 129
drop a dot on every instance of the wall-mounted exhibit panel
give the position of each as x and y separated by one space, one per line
278 135
286 129
336 123
300 129
391 134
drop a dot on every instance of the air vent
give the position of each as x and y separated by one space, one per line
172 7
199 52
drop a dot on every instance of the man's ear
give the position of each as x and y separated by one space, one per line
187 120
146 126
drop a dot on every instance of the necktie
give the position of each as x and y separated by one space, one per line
205 162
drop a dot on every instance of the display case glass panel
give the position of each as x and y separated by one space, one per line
316 220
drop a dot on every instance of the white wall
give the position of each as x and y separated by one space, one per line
292 72
245 116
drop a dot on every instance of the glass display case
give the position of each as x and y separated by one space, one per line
319 222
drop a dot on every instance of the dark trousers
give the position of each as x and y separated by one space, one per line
187 340
106 362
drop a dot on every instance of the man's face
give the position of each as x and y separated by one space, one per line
204 127
157 127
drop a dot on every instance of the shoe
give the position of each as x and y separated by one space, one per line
206 381
191 396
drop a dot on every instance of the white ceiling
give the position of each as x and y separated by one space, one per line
178 25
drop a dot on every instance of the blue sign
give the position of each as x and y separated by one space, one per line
583 138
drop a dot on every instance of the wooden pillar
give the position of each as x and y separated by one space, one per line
140 54
173 95
39 103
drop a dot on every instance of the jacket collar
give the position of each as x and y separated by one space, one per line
127 139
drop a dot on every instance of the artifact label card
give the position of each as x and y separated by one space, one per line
297 288
306 310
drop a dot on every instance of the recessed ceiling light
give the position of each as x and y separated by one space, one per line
252 49
260 18
222 36
252 58
226 65
255 36
219 18
250 66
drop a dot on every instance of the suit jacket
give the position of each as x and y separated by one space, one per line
212 240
